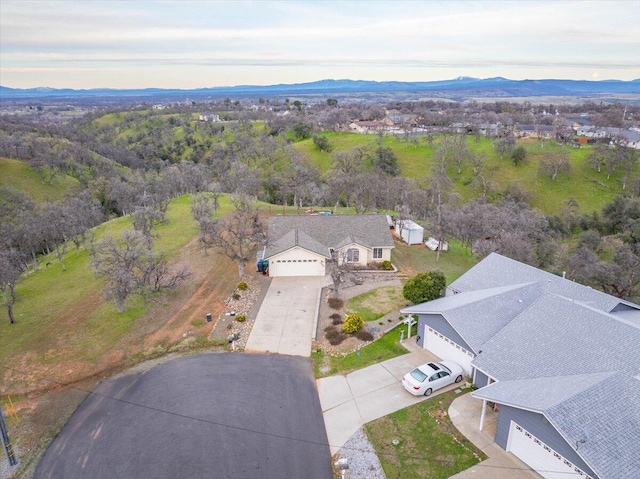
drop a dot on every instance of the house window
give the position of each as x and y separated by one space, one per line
353 255
377 253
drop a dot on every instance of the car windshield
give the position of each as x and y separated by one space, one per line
418 375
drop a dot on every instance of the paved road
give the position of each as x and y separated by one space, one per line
228 415
285 322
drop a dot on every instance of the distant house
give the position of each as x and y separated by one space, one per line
558 360
368 127
546 132
301 245
208 116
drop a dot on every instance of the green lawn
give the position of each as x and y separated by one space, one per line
430 446
20 176
375 304
387 347
61 314
411 260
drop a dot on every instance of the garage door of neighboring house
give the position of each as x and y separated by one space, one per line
447 349
540 457
297 267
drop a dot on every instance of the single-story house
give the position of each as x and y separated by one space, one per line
301 245
560 361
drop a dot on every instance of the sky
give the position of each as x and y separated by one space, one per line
194 44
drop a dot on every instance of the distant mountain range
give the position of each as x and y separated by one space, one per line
461 86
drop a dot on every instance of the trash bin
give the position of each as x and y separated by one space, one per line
208 317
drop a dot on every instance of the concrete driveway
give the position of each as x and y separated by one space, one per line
348 402
286 321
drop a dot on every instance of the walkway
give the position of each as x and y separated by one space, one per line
285 321
465 414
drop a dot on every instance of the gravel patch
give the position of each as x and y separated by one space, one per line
362 458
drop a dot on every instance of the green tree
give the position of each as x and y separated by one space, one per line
519 155
302 130
321 142
385 159
424 287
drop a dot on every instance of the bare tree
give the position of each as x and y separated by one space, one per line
9 277
240 232
130 267
555 163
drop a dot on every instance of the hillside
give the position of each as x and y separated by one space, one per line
19 175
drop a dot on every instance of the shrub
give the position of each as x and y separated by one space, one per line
363 335
333 333
352 323
387 266
236 296
243 286
241 318
335 303
329 328
335 316
424 287
336 321
335 340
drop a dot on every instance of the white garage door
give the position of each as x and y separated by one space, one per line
540 457
296 267
447 349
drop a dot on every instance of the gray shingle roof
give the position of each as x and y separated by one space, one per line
599 412
478 315
539 394
294 238
370 231
556 336
496 270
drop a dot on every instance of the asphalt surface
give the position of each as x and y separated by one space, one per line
233 415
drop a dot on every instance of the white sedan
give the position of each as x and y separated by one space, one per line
425 379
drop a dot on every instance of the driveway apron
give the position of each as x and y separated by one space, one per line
348 402
285 322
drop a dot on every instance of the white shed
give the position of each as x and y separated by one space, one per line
410 232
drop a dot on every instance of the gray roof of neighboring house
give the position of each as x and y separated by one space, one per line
567 351
333 231
496 270
539 394
557 336
598 413
491 309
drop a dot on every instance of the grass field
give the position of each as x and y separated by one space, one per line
592 190
411 260
430 445
61 315
20 176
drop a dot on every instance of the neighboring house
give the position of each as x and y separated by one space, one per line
301 245
535 131
560 360
208 116
373 126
